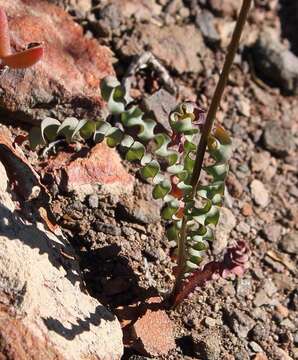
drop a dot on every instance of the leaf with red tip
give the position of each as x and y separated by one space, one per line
5 49
24 59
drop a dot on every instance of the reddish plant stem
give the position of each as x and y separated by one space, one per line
205 134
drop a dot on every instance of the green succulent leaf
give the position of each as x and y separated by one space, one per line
114 136
113 94
68 127
49 128
78 128
35 138
88 129
136 152
161 189
150 170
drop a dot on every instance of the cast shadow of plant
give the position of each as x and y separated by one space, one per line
99 264
110 278
13 227
81 326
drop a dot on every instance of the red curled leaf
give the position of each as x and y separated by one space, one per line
176 192
235 262
5 49
25 58
180 213
197 278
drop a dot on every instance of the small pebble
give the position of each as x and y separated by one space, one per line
255 347
93 201
210 322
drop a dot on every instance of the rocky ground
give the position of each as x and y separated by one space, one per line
108 214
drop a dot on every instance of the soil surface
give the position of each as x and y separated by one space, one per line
120 241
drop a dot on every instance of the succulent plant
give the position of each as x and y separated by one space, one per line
176 149
191 209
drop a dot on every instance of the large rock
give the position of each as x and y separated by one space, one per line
180 48
66 81
275 63
41 296
16 340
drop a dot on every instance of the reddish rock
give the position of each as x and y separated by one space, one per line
68 77
247 210
146 327
101 166
153 331
260 356
224 7
16 341
234 186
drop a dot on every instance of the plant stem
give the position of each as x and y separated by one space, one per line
205 134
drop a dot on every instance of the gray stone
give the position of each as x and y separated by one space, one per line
255 347
260 161
272 232
259 193
261 298
210 322
287 323
224 8
260 332
296 338
275 63
243 105
141 211
173 7
270 287
277 140
226 224
244 287
289 243
109 229
179 47
206 345
241 353
243 228
240 323
161 103
205 22
277 266
93 201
